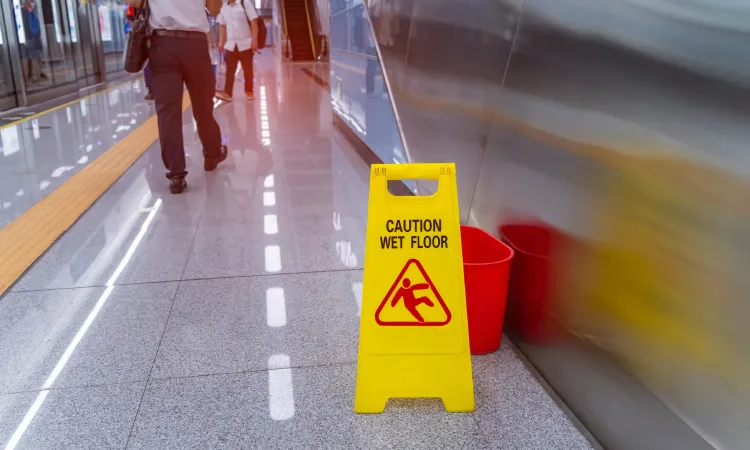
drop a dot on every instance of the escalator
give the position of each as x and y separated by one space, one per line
298 27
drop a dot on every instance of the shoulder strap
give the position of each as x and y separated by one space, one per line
242 2
252 5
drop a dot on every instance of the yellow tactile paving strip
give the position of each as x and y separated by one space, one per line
28 237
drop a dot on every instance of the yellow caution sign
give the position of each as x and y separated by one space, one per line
414 337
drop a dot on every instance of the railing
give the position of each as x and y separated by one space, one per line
310 30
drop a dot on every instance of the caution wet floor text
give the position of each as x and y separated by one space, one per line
413 335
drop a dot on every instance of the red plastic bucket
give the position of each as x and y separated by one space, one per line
486 272
531 279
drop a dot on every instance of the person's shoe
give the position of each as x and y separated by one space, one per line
250 95
211 164
177 185
149 96
221 95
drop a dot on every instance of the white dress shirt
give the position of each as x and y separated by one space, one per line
183 15
234 17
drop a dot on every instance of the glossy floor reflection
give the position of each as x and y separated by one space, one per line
227 317
38 155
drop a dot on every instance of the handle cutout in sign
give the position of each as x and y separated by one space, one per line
421 187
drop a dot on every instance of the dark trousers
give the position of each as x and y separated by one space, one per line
246 58
177 61
147 76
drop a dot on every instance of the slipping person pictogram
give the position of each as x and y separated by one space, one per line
413 289
411 302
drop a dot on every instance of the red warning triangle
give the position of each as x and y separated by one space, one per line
416 302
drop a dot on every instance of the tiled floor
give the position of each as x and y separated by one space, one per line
228 317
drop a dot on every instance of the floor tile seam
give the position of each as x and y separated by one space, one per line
140 283
153 363
74 386
186 106
199 223
92 286
275 274
50 243
12 288
254 371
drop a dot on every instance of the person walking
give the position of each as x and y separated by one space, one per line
238 37
33 50
179 57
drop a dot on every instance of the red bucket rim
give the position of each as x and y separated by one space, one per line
530 224
499 241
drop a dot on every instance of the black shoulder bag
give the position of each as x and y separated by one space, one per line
262 31
136 52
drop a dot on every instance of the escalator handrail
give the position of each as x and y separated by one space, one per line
310 31
389 88
283 18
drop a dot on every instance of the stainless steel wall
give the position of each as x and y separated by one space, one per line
618 127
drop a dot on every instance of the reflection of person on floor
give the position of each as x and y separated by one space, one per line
410 301
32 50
242 137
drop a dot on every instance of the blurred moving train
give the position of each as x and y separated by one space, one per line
706 36
621 125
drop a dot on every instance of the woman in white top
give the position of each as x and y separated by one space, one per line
238 36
